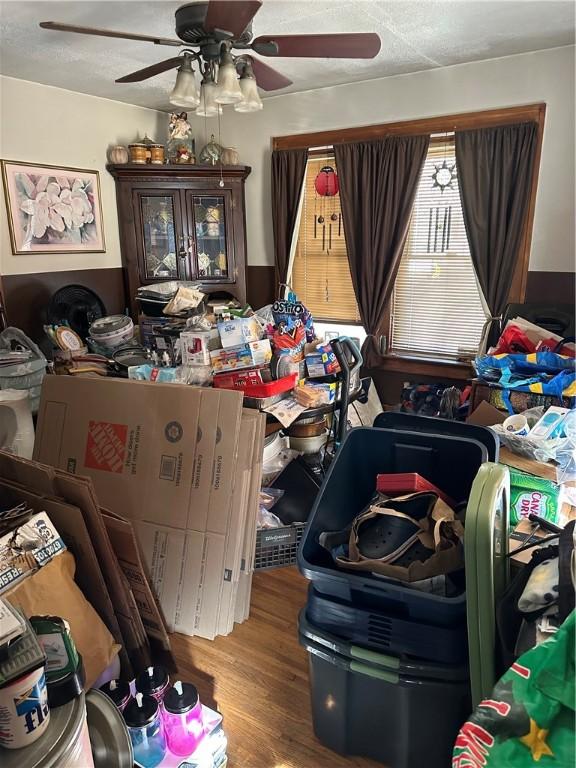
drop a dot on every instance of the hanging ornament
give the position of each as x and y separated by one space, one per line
326 182
326 185
444 175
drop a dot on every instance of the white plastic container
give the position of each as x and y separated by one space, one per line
16 425
24 710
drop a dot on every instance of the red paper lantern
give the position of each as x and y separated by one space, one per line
326 182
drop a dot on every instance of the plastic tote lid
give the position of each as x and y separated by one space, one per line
140 711
181 698
152 679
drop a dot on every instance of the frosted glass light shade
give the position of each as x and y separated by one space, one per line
185 92
208 107
251 101
228 86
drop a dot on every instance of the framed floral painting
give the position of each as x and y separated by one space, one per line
52 209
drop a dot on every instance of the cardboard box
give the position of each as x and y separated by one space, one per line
31 546
196 346
167 457
71 504
246 356
251 377
239 331
321 362
485 415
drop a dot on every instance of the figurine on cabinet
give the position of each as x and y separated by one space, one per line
180 141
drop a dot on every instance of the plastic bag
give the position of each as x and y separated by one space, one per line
149 372
513 339
269 497
529 716
566 459
196 375
291 314
267 519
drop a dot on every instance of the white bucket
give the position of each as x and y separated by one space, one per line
24 710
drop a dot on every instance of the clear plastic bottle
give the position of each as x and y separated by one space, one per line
146 729
182 714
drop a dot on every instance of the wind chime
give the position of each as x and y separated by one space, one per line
327 213
326 186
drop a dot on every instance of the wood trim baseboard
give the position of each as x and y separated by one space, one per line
441 124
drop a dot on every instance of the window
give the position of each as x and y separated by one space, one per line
436 305
320 272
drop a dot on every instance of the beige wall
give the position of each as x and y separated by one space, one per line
41 124
541 76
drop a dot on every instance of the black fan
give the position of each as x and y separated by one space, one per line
77 307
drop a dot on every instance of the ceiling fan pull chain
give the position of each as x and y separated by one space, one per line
221 182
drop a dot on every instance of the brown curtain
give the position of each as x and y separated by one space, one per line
495 168
378 181
288 169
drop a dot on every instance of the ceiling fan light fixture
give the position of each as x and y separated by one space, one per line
185 92
228 85
251 101
208 106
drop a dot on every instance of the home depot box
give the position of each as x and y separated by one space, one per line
137 441
164 456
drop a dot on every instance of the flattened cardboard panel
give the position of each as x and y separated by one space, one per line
136 440
163 552
190 602
206 622
225 456
70 525
123 540
201 486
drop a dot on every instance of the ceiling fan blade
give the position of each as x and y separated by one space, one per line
231 15
361 45
268 78
155 69
56 26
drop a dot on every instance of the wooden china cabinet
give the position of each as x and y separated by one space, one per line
182 222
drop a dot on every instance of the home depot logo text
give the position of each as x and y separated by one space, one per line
106 446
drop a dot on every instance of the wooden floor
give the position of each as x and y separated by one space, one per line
258 678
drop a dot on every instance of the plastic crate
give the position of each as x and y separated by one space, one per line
386 633
365 703
451 463
434 426
277 547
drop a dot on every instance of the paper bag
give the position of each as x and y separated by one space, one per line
52 591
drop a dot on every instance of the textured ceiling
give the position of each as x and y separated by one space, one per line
415 36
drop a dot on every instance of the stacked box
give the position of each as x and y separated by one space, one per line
182 464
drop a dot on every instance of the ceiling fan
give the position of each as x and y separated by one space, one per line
208 31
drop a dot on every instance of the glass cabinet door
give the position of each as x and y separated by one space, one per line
161 240
211 236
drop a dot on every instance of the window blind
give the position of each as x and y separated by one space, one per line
320 272
436 306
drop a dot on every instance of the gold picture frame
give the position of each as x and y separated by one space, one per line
57 212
